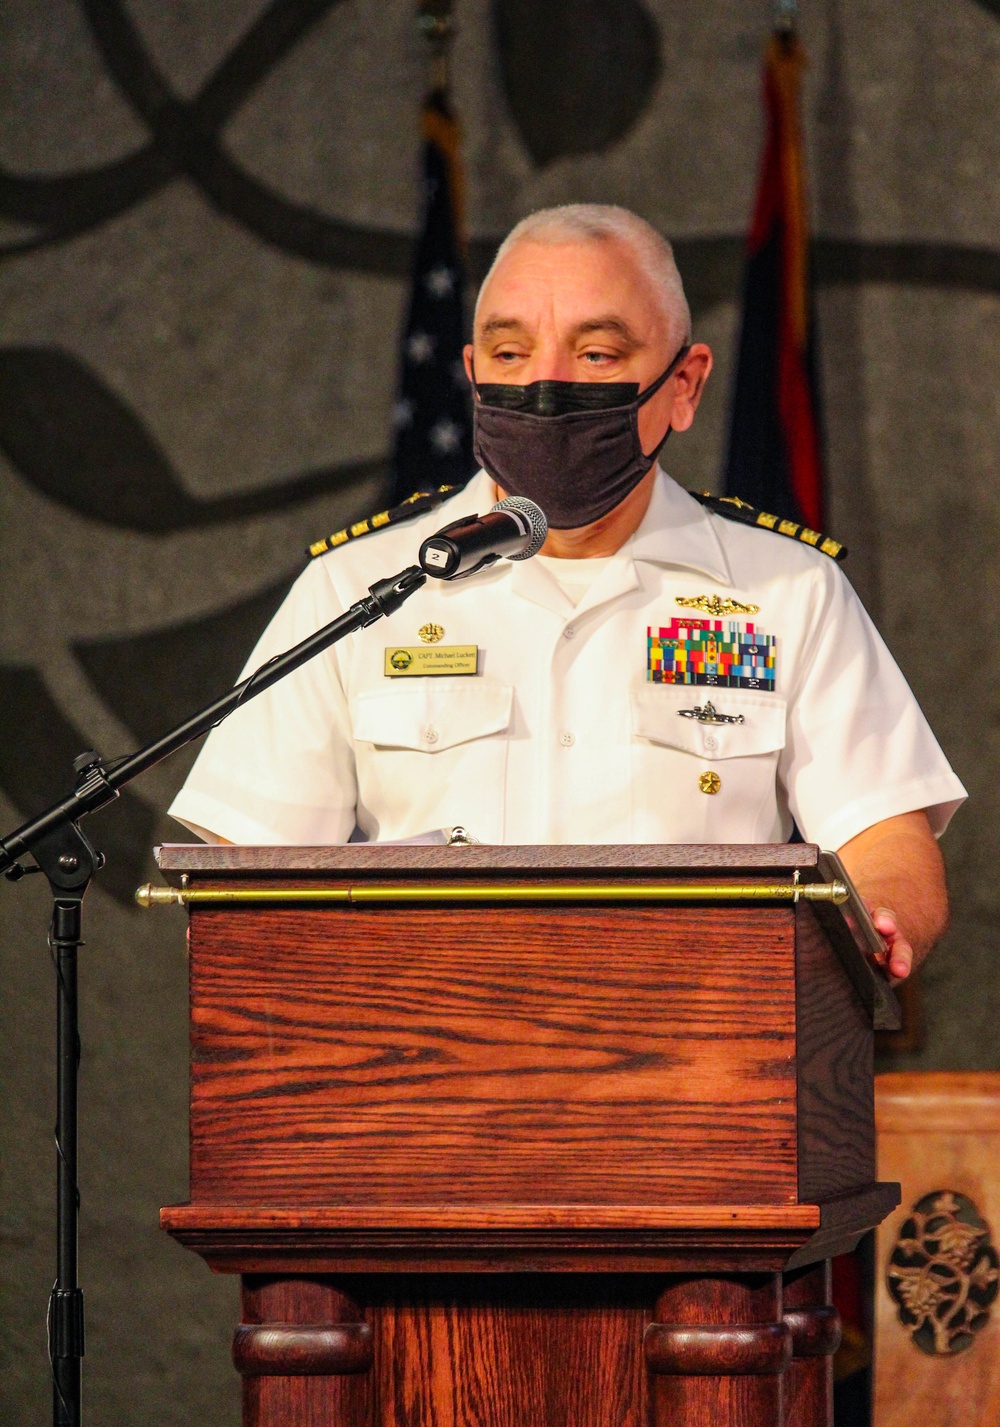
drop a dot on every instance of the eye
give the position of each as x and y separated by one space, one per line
600 361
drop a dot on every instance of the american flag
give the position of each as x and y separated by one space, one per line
432 421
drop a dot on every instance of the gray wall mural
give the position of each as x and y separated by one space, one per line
206 217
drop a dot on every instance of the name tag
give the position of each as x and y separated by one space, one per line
441 659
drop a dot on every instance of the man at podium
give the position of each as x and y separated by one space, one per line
659 673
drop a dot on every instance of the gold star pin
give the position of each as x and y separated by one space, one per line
430 633
709 782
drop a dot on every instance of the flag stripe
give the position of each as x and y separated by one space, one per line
775 445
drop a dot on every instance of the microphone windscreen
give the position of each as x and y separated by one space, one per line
534 515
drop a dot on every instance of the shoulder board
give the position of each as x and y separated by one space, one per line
734 509
416 504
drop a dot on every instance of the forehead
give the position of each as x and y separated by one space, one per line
569 282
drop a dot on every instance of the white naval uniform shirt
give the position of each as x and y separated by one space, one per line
562 735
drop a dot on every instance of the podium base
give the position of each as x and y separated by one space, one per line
537 1350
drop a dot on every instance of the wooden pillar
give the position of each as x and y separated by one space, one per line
445 1350
305 1354
717 1352
815 1328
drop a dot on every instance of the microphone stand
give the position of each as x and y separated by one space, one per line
61 851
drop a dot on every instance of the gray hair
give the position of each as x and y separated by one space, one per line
601 222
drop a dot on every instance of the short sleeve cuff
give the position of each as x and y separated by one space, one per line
940 797
202 813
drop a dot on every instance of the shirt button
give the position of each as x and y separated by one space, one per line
566 739
569 632
711 742
431 734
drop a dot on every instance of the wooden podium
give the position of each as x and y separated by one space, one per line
529 1137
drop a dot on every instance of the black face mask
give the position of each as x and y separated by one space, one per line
573 447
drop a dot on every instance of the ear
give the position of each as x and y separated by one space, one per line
467 359
689 383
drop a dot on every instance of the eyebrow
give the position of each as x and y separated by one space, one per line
494 326
609 323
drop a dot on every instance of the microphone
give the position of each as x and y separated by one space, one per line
515 529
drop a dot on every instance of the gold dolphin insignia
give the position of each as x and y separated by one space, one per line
716 604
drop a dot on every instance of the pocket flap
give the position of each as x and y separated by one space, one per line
432 714
657 715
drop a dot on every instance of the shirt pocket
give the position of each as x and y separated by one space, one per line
671 752
433 754
658 714
432 715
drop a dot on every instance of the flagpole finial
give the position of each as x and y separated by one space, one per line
786 12
436 23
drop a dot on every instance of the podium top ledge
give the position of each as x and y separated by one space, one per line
636 859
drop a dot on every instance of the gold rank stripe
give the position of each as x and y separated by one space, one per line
416 504
732 508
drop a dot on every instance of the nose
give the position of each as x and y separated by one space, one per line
549 362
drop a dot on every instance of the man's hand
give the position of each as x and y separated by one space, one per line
898 958
896 866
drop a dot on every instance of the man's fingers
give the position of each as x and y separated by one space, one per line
900 962
898 955
885 920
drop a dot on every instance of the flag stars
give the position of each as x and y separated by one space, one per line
403 413
440 281
445 436
420 347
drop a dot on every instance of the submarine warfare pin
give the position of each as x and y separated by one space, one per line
707 713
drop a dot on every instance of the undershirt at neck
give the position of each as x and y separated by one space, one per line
574 577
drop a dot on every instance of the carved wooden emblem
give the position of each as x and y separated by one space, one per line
944 1273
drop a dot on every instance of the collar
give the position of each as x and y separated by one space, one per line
676 530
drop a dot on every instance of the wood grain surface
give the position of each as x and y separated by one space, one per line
937 1131
475 1353
294 1399
464 1112
292 1350
741 1399
354 861
496 1251
835 1060
535 1350
844 1218
733 1218
455 1351
815 1325
567 1056
718 1350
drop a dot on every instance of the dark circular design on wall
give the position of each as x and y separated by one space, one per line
187 139
77 442
549 66
577 73
944 1273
